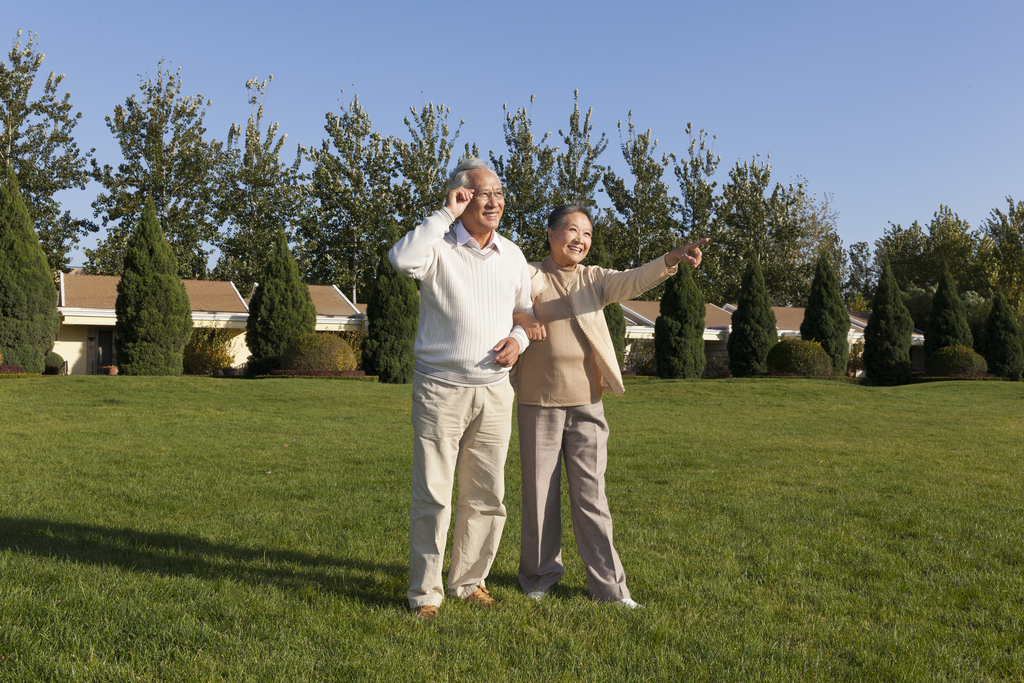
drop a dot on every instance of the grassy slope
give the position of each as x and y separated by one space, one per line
199 529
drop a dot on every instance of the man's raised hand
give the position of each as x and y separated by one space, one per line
458 199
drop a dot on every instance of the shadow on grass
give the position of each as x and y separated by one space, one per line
168 554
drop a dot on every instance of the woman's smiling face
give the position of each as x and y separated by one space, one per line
570 242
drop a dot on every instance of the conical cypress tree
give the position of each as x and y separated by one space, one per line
825 318
613 315
393 311
947 322
280 310
28 297
753 325
1001 341
888 334
679 330
154 317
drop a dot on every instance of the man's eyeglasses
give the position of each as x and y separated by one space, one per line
485 197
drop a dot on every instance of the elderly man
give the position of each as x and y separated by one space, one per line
472 281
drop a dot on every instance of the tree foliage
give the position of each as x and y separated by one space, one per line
258 195
644 223
679 330
577 173
526 178
699 203
1001 344
825 319
947 320
1005 231
154 317
28 298
280 309
393 313
888 334
423 162
166 158
753 325
342 237
613 314
37 140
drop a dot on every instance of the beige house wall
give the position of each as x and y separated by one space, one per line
71 345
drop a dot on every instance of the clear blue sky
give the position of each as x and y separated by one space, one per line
892 107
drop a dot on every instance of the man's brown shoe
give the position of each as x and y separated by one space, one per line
425 612
482 597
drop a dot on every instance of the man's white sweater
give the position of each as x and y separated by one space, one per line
467 299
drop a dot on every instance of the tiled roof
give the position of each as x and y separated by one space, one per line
329 301
651 310
100 292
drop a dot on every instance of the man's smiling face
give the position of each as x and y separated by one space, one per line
484 212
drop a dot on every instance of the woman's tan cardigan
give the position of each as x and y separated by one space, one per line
591 289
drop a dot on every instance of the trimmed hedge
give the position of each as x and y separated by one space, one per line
956 361
799 357
318 353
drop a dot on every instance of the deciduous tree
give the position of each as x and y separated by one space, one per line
526 178
1006 232
37 140
166 158
258 195
352 184
577 173
423 162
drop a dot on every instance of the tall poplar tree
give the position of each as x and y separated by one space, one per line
888 334
167 159
753 331
947 321
28 298
393 312
280 310
154 316
679 330
526 178
423 162
825 318
257 196
577 174
36 138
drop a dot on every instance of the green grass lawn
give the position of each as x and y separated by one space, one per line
195 529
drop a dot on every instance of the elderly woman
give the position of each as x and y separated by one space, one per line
560 382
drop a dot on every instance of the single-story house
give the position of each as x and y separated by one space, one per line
640 317
85 338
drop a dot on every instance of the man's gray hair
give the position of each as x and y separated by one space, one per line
466 166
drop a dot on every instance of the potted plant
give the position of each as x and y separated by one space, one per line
109 369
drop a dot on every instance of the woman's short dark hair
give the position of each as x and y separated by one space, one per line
558 216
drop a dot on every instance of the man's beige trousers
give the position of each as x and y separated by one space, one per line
465 429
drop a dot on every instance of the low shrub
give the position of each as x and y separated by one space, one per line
717 368
207 351
354 339
11 370
640 358
855 363
314 351
799 357
956 361
53 363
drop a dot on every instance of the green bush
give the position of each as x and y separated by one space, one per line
323 352
825 318
955 361
856 361
640 358
799 357
888 334
679 330
753 325
207 351
354 339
